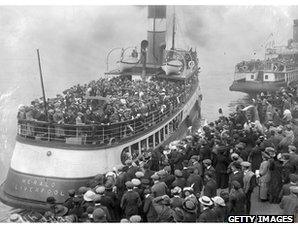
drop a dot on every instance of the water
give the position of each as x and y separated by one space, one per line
73 43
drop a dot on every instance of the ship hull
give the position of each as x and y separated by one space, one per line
28 185
256 87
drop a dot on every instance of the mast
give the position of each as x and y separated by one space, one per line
42 86
173 32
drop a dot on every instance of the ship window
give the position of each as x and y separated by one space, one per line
135 150
143 145
166 129
161 135
171 127
125 155
266 76
252 76
156 138
151 141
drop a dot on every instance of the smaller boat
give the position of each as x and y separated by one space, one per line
127 62
172 67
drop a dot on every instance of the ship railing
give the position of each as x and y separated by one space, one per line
98 134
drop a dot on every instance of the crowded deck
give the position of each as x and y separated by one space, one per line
104 112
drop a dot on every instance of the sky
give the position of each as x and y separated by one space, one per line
74 40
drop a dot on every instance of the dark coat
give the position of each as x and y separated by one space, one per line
181 182
130 174
159 189
207 215
289 204
176 202
182 215
131 203
210 188
221 163
169 179
149 210
221 213
255 158
236 177
196 181
237 202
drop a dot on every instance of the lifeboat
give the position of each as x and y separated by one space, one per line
172 67
127 63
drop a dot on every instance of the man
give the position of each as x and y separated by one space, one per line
236 174
179 180
130 201
207 215
210 186
249 182
162 207
176 200
195 180
286 187
289 203
237 199
208 167
148 208
159 188
69 201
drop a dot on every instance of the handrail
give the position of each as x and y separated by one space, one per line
97 133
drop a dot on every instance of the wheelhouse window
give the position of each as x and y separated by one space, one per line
252 76
266 76
125 155
166 129
143 145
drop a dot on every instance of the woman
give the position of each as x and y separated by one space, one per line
264 174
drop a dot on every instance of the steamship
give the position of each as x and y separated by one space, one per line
278 69
44 166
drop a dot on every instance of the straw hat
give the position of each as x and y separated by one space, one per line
205 200
218 200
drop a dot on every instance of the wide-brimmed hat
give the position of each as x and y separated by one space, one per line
111 174
89 196
61 210
15 218
218 200
235 155
205 200
189 206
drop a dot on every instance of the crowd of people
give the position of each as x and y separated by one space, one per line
106 101
217 171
